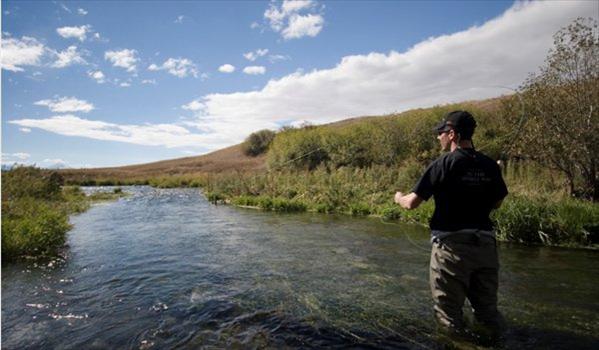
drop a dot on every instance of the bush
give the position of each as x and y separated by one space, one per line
32 227
535 221
258 142
35 211
27 181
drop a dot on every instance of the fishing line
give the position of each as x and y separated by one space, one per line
408 236
294 159
520 125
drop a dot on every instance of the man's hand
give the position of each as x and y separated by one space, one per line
407 201
398 195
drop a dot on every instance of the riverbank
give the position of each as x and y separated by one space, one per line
568 223
36 209
535 212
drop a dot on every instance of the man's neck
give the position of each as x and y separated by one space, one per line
463 144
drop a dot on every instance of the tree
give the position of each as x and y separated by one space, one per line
561 109
258 142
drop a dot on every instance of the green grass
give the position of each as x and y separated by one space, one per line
541 214
566 222
35 211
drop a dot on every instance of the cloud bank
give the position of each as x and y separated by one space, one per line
167 135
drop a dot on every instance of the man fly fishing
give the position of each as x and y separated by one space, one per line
466 186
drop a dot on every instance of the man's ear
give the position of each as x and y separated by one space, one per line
452 135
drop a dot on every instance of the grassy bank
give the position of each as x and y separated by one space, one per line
537 211
35 211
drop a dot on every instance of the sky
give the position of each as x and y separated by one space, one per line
110 83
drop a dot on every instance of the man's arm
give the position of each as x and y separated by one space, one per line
408 201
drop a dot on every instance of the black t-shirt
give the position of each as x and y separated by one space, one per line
466 185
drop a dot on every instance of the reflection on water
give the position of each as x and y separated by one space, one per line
165 269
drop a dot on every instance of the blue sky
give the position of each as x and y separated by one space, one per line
107 83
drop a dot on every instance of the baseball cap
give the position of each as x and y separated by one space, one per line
461 121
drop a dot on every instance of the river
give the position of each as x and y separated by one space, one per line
163 268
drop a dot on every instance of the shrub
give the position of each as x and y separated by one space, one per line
31 227
27 181
258 142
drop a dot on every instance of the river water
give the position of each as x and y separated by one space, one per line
166 269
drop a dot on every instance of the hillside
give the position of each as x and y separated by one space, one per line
224 160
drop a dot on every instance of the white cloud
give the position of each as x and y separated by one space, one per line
254 70
226 68
19 155
125 84
149 81
98 76
180 19
74 32
64 7
275 58
253 55
291 6
166 135
82 12
295 19
68 57
179 67
54 164
193 106
450 68
254 25
300 26
123 58
21 52
9 159
66 104
25 130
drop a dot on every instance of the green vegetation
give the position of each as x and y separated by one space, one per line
535 212
561 103
35 210
258 142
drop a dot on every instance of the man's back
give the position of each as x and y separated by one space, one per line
465 185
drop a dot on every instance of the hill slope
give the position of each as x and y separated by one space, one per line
224 160
227 159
